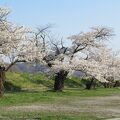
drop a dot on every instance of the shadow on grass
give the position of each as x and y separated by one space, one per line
46 83
73 83
8 86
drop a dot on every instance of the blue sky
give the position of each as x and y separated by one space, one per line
67 16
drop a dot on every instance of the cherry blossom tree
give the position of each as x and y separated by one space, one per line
11 44
18 44
110 60
62 59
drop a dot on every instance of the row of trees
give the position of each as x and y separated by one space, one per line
87 53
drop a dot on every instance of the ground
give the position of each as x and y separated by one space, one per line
30 97
72 104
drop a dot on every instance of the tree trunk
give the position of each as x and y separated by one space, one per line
108 84
2 78
117 84
59 80
90 84
105 85
2 75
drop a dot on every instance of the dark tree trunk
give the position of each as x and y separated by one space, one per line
2 78
108 85
2 75
90 84
105 85
59 80
117 84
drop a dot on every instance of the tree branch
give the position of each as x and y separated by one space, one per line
13 63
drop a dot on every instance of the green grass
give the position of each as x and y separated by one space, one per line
29 81
14 98
38 81
27 98
47 97
36 89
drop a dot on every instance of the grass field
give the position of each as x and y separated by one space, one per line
36 101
